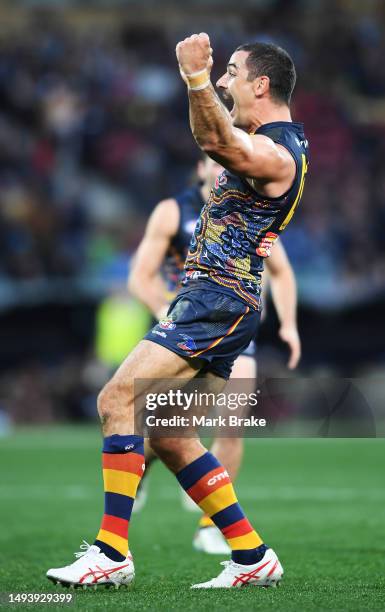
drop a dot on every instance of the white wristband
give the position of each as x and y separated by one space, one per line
192 75
199 87
198 80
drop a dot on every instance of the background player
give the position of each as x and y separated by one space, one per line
155 277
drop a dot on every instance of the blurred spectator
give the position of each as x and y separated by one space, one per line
93 131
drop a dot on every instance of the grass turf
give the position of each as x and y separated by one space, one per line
320 503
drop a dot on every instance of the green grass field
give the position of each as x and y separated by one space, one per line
319 503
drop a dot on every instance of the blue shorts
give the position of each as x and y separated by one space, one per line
209 326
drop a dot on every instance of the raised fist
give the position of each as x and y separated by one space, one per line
194 54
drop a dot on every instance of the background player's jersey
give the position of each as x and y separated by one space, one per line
237 227
190 203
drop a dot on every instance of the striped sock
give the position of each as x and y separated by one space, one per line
205 521
208 484
123 467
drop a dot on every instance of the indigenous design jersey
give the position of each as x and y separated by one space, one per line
237 227
190 204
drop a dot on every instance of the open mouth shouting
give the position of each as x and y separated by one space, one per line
229 101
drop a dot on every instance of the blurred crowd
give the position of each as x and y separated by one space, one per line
94 131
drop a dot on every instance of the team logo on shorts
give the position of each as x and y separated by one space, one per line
167 324
188 343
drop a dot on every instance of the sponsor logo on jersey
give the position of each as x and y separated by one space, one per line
167 324
211 482
264 249
188 343
195 274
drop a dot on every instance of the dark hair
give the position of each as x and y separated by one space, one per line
266 59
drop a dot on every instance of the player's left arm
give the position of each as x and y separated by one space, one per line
252 156
284 294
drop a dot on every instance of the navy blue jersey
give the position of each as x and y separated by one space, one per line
190 203
237 226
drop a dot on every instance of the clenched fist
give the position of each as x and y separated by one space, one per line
194 54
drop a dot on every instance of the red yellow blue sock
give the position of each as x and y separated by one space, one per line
205 521
208 484
123 467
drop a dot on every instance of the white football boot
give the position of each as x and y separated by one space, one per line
93 568
210 540
265 573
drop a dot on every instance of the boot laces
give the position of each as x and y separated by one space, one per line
228 566
84 548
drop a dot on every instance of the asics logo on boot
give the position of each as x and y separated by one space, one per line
99 573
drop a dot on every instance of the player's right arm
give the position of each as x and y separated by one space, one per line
145 281
270 165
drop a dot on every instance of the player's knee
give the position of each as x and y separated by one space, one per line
108 401
102 403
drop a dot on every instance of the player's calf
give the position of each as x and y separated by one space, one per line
177 452
208 483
